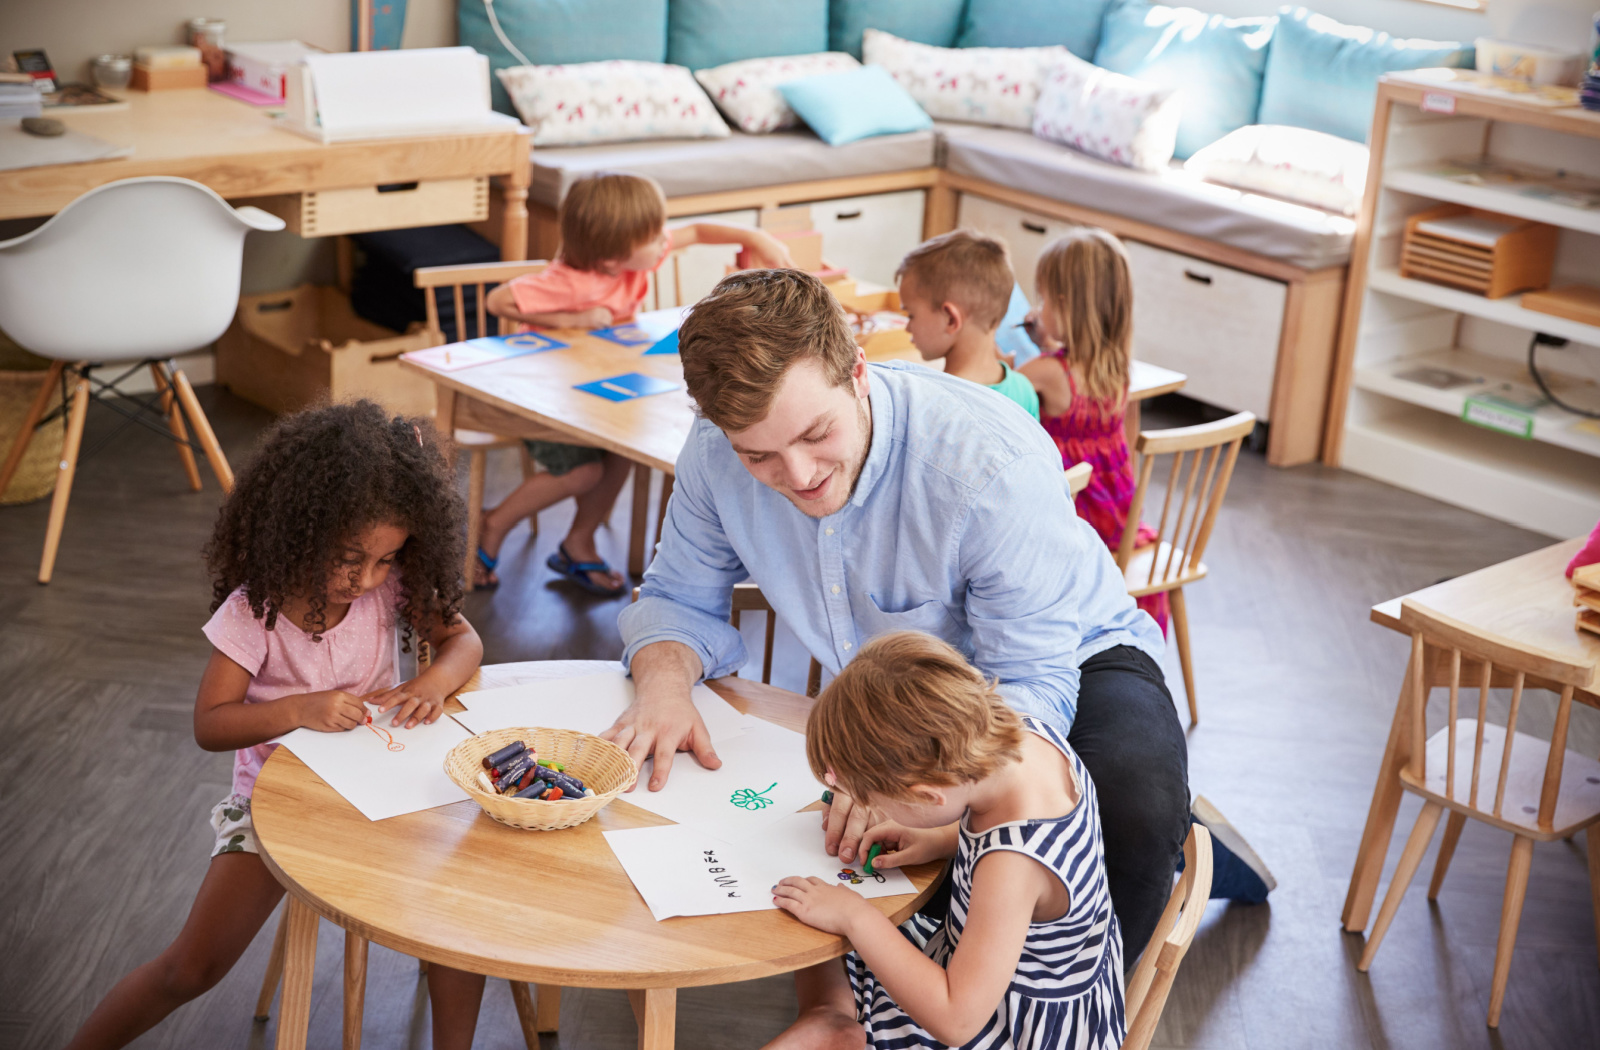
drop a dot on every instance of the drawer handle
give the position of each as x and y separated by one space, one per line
1200 277
397 187
1033 227
272 308
841 216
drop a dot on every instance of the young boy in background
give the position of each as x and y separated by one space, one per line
614 235
955 289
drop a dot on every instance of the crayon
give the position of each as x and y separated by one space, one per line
872 855
557 766
516 747
485 783
827 798
533 790
554 795
569 784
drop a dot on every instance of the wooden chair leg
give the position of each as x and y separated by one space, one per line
1591 836
529 469
1180 631
170 409
641 519
477 476
274 974
1510 918
64 475
527 1013
19 447
1410 858
766 651
355 988
203 431
814 678
1447 850
661 512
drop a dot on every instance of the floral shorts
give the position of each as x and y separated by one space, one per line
230 819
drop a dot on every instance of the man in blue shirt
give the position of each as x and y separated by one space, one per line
865 499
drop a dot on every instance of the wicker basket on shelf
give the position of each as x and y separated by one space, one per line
600 764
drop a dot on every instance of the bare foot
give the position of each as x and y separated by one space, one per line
821 1028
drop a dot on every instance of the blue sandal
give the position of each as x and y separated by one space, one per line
578 572
489 564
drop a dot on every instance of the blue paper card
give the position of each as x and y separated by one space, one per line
483 351
669 345
646 329
627 387
627 334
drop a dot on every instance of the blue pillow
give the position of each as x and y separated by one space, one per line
1215 63
1033 23
551 32
706 33
1323 75
933 22
855 104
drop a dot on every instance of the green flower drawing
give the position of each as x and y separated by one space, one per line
745 798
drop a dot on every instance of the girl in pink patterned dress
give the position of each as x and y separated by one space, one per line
342 537
1084 325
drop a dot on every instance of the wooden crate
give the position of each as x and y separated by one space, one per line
288 350
146 78
393 206
1519 261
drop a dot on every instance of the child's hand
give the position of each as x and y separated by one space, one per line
903 846
767 252
331 711
1032 325
829 907
594 317
417 703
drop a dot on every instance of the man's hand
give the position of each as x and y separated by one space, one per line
662 719
844 821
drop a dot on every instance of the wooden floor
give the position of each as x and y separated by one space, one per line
104 795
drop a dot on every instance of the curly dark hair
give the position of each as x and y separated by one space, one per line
321 477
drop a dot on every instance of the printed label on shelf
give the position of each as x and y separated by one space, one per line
1438 102
1492 413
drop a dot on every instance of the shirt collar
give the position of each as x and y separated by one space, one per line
883 420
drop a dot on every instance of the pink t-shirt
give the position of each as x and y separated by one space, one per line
357 655
559 288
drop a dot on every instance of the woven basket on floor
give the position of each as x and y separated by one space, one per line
20 376
600 764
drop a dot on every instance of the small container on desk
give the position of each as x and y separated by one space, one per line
150 78
603 767
1480 251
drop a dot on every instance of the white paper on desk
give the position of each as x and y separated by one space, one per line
360 765
680 869
414 89
764 778
587 704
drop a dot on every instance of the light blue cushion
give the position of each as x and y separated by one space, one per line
705 33
933 22
1215 63
1323 75
552 32
1034 23
855 104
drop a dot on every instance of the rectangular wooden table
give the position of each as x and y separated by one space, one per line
1527 601
239 151
533 397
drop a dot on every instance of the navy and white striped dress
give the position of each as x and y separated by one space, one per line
1068 987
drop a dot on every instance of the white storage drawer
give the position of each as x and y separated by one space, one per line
1217 325
870 235
1023 232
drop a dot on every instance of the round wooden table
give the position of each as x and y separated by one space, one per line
550 908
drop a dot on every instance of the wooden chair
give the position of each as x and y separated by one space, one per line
1152 979
1164 565
470 320
747 597
1535 789
1077 477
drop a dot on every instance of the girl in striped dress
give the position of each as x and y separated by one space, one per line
1030 954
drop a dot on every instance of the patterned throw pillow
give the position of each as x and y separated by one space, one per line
979 85
1296 164
1106 114
747 91
615 101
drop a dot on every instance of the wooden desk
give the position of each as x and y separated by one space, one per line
1527 601
552 908
239 151
532 396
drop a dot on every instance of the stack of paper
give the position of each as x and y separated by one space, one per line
19 100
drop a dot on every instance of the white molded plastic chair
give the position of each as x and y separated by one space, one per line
131 273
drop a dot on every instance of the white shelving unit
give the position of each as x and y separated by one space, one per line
1415 356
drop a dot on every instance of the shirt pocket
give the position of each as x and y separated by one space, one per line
929 617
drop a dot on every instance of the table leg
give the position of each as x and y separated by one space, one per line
548 1007
444 414
656 1010
355 988
538 1010
1380 816
641 519
514 199
299 964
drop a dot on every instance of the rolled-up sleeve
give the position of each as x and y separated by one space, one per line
687 592
1024 605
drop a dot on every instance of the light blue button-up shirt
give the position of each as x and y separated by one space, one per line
960 526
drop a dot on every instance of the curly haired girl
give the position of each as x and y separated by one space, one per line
343 531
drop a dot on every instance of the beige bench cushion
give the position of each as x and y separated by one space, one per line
1293 233
693 166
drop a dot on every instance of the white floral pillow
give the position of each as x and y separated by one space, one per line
1111 116
747 91
615 101
1296 164
979 85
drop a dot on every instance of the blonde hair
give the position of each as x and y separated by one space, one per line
966 268
739 342
1084 282
608 216
909 710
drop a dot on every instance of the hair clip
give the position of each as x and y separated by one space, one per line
418 431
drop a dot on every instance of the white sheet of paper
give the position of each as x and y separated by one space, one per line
682 870
587 704
415 87
381 783
764 777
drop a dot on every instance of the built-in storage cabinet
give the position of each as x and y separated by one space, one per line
870 235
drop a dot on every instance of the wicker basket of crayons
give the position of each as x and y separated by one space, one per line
569 765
